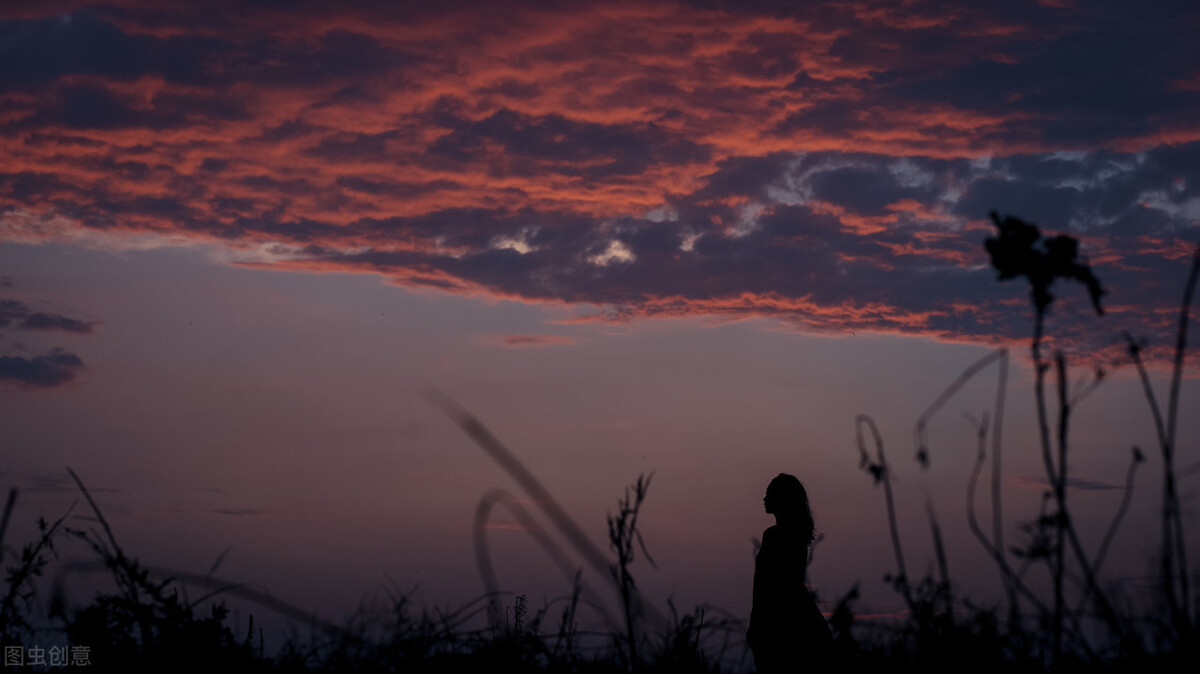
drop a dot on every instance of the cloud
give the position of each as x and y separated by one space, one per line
527 341
49 370
15 312
829 165
318 517
44 321
51 47
505 525
814 250
94 107
510 142
59 483
84 42
239 512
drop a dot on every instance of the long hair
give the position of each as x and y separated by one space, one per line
791 500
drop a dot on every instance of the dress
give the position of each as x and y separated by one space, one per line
787 631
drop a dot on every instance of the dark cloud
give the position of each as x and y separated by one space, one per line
48 370
765 56
296 186
528 341
18 313
1075 74
909 266
238 512
1112 74
44 321
214 164
836 118
1049 205
556 144
401 189
746 176
512 88
1127 194
94 107
31 186
54 368
357 147
78 43
57 483
287 130
864 190
794 255
83 43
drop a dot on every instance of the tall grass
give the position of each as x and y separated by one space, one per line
1097 632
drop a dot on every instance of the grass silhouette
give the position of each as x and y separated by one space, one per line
941 630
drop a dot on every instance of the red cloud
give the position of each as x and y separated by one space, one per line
527 341
504 153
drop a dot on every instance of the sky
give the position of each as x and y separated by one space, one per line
241 241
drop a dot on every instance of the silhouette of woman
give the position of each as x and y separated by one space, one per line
787 631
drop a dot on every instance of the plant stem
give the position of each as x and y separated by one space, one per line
885 477
1169 449
1039 390
1060 487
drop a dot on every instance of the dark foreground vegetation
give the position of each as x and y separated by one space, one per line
171 621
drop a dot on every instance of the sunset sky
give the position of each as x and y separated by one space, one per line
240 241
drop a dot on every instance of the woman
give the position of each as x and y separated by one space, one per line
787 631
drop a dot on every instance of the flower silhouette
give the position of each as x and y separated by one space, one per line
1015 252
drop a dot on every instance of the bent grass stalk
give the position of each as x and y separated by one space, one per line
1174 549
541 496
529 525
880 471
